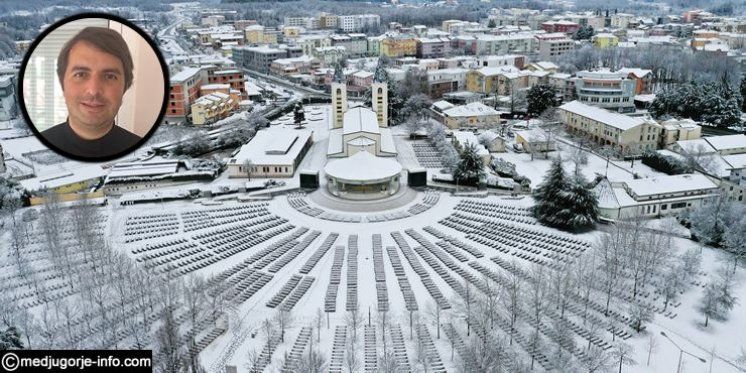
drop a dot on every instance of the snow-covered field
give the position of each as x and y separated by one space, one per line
202 228
272 254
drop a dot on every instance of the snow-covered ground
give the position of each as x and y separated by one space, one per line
437 250
233 347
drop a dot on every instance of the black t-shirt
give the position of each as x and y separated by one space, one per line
115 141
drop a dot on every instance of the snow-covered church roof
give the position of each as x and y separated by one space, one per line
363 167
360 119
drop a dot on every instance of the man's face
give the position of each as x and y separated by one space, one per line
93 86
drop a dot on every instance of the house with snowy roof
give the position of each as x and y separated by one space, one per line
653 197
471 115
274 152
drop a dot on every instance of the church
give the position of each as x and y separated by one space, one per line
361 146
360 128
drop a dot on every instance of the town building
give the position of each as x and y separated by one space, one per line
565 27
606 89
553 45
274 152
212 107
260 58
127 177
8 98
471 115
183 91
628 135
678 130
605 40
654 196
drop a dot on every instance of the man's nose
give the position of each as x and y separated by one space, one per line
94 86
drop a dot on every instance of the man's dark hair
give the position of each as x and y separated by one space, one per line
104 39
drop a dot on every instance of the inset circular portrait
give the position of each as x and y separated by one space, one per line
93 87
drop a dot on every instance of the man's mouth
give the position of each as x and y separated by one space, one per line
93 105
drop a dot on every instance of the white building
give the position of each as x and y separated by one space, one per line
274 152
360 132
358 22
653 197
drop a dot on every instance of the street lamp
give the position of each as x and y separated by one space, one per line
681 352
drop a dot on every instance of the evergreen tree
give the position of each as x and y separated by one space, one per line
743 93
540 97
491 24
10 339
565 203
584 201
299 115
396 105
551 197
584 33
716 103
470 170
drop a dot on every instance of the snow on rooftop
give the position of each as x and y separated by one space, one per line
360 119
443 105
547 65
645 98
609 118
696 146
637 71
216 86
467 136
471 109
275 145
184 74
148 168
736 161
727 142
53 180
670 184
532 135
363 166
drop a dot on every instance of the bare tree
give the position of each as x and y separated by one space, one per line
639 314
248 168
253 360
610 257
586 273
69 311
352 361
598 360
283 320
673 282
512 300
422 353
622 353
535 303
388 363
735 240
168 349
312 362
195 300
652 347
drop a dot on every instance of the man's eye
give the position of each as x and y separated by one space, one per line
112 77
79 74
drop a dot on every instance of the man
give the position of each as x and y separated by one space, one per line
94 69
